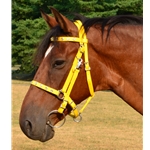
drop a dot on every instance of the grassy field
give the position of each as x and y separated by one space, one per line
108 124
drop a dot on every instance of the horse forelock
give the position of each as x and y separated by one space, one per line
44 44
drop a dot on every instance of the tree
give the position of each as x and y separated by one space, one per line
24 42
27 29
104 8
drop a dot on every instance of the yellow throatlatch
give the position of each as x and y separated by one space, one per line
64 93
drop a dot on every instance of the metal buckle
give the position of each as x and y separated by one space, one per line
61 95
49 122
79 63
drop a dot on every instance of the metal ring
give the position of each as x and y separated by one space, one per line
78 120
55 112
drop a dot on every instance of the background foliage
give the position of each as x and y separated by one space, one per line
28 27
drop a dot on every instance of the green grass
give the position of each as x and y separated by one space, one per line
108 124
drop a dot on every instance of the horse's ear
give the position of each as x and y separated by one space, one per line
50 20
65 24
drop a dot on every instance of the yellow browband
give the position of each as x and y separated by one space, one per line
64 93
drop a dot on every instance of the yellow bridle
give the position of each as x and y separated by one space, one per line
64 93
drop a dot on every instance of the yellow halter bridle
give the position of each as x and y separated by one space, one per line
64 93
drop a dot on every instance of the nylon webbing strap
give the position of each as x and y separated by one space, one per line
87 66
45 88
69 39
82 35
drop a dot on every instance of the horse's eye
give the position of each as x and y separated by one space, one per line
59 64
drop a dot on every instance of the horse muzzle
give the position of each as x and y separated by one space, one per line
36 130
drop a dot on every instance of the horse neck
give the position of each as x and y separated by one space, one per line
119 62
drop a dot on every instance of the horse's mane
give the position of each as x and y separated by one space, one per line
87 23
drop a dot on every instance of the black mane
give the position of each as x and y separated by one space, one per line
87 23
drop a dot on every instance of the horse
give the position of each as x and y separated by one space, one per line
77 58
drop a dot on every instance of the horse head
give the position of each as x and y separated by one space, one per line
39 113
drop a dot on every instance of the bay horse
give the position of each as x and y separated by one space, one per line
76 59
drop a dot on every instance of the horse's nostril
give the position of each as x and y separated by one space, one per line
28 127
